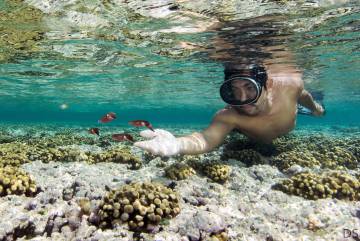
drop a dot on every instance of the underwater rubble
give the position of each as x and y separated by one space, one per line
68 185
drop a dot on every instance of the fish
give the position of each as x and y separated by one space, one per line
94 131
139 123
107 118
122 137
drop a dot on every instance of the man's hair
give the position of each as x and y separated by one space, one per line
254 71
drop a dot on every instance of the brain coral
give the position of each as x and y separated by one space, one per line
140 205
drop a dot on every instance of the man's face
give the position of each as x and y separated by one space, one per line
243 91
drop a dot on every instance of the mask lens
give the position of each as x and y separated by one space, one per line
239 91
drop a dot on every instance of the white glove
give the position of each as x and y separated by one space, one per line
163 143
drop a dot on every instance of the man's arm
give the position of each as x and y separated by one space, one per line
305 99
209 139
166 144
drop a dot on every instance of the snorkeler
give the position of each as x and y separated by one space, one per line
262 104
262 88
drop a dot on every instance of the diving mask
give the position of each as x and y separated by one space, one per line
245 87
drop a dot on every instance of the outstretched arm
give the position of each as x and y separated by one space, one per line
208 139
165 144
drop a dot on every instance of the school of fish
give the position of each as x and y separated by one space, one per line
120 136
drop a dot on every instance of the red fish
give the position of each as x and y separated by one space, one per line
94 131
138 123
122 137
108 117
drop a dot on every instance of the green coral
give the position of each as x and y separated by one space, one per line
329 185
14 181
287 159
6 138
17 153
140 205
248 156
236 142
47 155
60 139
215 170
325 157
117 155
14 154
336 158
179 171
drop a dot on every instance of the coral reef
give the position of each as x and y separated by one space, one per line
328 185
141 205
17 153
335 157
217 172
6 138
52 154
223 236
212 168
191 160
248 156
179 171
287 159
14 154
60 139
118 155
16 181
237 142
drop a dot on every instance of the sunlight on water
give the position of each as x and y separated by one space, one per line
103 56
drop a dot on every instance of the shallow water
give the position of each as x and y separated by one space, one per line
64 64
82 68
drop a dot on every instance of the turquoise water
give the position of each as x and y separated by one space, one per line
65 64
91 76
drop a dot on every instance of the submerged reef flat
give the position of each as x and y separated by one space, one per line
62 183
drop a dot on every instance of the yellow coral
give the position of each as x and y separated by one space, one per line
140 205
16 181
328 185
217 172
179 171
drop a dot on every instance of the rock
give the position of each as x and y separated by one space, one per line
202 221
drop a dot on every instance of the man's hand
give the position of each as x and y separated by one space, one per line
319 111
163 143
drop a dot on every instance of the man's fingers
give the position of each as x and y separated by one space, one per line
157 132
143 145
164 133
149 146
148 134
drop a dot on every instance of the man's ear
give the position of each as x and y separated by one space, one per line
269 83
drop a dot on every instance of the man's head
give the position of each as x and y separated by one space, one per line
243 87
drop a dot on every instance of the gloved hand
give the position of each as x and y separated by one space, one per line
163 143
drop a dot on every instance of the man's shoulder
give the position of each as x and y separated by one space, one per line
227 115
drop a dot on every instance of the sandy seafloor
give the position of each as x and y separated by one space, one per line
245 207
